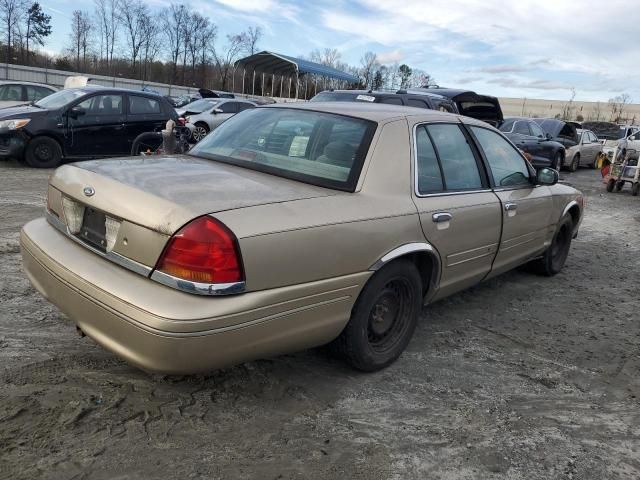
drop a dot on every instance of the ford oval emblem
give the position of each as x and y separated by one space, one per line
88 191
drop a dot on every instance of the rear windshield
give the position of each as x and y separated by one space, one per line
313 147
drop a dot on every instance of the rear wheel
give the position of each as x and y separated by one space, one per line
556 255
575 163
383 318
200 131
43 152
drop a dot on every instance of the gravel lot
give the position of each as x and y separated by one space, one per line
519 377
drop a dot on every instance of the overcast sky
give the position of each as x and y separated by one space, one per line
524 48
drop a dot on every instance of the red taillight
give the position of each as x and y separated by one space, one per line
203 251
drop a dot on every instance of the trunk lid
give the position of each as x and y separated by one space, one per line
164 193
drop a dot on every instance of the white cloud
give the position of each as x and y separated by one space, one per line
393 56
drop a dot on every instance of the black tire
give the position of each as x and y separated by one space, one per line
575 163
383 319
610 184
635 189
43 152
558 160
555 256
619 186
146 142
200 131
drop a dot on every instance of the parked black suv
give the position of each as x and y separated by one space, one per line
80 123
463 102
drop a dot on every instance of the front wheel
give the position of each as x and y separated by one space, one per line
575 163
199 132
383 318
556 255
43 152
557 161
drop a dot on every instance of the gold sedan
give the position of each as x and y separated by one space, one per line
290 227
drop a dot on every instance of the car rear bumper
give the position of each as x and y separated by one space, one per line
163 330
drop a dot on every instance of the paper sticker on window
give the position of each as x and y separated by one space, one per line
298 146
366 98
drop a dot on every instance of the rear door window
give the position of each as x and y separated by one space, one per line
429 174
415 102
143 105
458 163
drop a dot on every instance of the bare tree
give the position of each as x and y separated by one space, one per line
251 38
133 15
106 12
369 64
173 19
151 45
617 106
80 36
204 43
11 13
226 57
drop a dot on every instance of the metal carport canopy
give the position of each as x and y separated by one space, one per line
278 64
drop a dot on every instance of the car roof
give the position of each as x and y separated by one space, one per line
22 82
376 112
391 93
99 88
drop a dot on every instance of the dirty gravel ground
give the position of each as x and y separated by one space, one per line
521 377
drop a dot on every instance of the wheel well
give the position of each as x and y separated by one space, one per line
574 211
426 265
203 124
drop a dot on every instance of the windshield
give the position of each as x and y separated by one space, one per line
200 106
313 147
59 99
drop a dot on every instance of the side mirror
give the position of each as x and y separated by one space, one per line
76 111
548 136
217 111
547 176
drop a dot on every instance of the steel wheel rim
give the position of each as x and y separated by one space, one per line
390 315
43 152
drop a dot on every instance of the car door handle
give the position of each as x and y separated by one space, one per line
441 217
510 207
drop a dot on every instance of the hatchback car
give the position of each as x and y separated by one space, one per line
200 124
529 137
80 123
292 226
14 93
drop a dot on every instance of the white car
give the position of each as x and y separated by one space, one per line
585 152
220 110
18 93
614 137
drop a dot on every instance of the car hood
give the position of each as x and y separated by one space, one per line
164 193
21 111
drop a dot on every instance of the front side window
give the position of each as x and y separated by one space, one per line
314 147
35 93
521 128
428 169
508 168
103 105
536 130
458 162
60 99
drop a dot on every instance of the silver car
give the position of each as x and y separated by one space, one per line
585 152
18 93
220 110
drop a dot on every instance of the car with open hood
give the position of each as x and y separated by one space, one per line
582 146
471 104
614 137
529 137
292 226
80 123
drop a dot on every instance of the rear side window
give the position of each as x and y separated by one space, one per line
457 161
229 107
414 102
508 168
391 100
428 169
143 105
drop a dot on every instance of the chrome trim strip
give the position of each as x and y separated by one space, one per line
198 288
112 256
